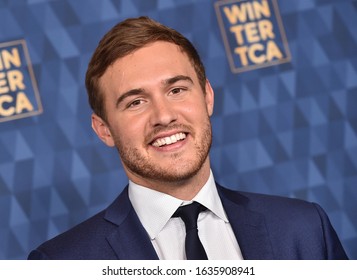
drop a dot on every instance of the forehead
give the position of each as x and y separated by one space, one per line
152 62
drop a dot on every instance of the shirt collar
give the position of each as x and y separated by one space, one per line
155 209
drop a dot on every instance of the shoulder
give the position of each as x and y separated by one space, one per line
87 240
276 208
297 229
83 241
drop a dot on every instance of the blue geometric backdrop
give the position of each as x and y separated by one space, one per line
289 129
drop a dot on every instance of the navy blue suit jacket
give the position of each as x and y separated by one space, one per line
266 227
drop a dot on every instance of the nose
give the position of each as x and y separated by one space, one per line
163 112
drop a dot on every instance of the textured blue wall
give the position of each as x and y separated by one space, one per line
289 129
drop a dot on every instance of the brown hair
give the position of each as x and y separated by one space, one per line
125 38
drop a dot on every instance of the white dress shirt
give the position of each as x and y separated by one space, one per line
167 234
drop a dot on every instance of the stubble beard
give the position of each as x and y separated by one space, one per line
177 171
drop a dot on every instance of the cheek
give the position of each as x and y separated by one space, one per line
196 111
131 131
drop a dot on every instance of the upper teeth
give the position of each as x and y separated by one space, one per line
169 139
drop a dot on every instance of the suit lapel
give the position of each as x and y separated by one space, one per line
129 240
248 226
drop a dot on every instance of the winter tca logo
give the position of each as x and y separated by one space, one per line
253 33
19 96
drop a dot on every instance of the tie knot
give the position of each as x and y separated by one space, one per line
189 214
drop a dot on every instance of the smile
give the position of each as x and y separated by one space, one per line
169 139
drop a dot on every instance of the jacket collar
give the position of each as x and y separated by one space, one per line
129 240
248 226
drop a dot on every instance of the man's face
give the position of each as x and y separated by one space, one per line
157 115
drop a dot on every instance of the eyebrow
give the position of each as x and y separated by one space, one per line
138 91
175 79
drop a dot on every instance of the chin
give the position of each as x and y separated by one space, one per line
181 174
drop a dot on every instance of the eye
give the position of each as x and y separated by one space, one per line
177 90
135 103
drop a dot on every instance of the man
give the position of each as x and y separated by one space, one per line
151 100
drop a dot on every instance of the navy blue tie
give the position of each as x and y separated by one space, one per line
193 246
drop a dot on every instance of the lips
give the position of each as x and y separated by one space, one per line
167 140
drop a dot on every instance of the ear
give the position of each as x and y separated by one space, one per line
209 97
102 130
